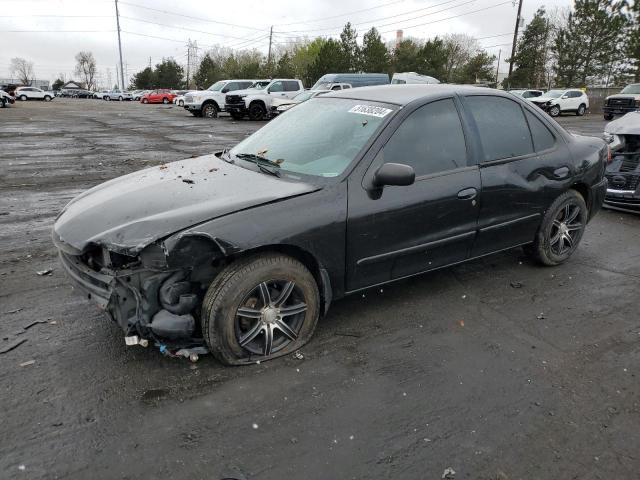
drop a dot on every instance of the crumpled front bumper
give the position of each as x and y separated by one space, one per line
98 286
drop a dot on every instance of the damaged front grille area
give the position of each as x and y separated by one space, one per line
97 285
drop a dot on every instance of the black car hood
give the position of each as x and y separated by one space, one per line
128 213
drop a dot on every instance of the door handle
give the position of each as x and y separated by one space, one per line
467 193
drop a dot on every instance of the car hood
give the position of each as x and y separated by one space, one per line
128 213
248 91
542 99
635 96
628 124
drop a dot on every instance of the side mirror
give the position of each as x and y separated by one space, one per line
565 96
394 174
225 90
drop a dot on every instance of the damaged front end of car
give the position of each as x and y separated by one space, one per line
154 295
623 170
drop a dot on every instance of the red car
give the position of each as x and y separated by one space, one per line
158 96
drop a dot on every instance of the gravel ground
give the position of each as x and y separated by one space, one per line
456 369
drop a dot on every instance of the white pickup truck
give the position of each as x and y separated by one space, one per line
256 102
208 103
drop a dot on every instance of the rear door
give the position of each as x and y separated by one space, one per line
407 230
292 88
517 182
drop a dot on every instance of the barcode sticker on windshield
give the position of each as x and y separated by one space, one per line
370 110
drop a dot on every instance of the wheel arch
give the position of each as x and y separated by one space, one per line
305 257
260 102
584 190
208 102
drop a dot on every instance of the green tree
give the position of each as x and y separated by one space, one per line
303 57
144 79
633 46
57 85
406 57
374 54
284 66
330 59
208 72
349 48
589 41
168 74
433 58
478 69
532 53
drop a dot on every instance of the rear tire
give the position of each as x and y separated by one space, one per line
561 230
144 100
165 100
23 98
121 99
47 98
244 318
581 110
608 117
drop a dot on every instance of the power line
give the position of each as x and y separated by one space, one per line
200 19
57 31
410 12
180 28
339 15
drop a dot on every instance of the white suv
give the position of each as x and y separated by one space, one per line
256 101
207 103
555 102
33 93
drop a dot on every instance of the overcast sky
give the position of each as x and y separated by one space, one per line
45 32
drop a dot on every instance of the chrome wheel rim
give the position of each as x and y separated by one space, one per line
210 111
566 229
270 317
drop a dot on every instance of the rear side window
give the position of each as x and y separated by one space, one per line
243 85
430 139
543 139
291 86
502 127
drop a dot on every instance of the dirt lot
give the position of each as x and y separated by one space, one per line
454 369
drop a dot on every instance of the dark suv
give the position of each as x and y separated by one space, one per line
240 252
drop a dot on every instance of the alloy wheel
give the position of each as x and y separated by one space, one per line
210 111
555 111
270 317
566 230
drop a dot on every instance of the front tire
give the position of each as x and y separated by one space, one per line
165 100
561 230
23 98
181 103
260 308
554 111
256 111
120 99
144 100
581 110
210 110
47 98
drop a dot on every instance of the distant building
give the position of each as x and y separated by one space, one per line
71 85
399 37
43 84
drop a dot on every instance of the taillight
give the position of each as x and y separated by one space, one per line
609 156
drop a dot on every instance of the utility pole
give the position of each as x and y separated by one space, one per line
270 38
188 61
120 44
498 67
515 41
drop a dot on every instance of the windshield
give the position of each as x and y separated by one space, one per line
322 86
260 85
554 93
320 137
216 87
517 92
634 89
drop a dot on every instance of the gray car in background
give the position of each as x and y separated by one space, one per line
117 95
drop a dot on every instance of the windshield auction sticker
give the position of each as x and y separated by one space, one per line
370 110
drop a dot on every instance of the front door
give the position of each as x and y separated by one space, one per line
407 230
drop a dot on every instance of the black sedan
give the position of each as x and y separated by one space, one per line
242 251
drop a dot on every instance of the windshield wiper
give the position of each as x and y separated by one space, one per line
261 162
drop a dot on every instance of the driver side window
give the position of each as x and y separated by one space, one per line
276 87
430 140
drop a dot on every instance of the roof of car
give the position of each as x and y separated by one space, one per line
405 94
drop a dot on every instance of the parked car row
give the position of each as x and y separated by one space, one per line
557 101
